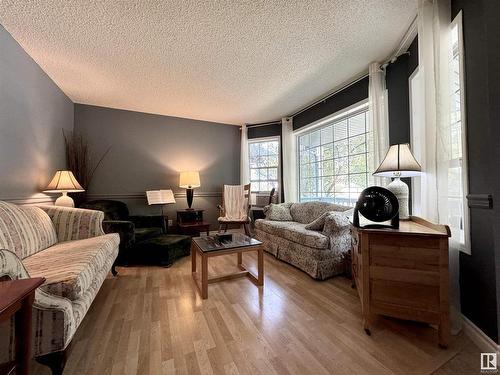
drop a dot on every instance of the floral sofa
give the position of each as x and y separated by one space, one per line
68 247
313 236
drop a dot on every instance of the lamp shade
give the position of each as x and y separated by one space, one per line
160 197
63 181
400 162
189 180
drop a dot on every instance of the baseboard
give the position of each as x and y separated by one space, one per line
483 342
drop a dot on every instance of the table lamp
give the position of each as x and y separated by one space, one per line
399 162
64 182
189 180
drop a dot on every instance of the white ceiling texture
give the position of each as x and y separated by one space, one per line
225 61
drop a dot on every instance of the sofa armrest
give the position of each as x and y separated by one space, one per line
126 230
75 223
53 318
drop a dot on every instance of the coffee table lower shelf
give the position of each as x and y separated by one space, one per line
202 279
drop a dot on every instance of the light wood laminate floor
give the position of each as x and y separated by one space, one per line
151 320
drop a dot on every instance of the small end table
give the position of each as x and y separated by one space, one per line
190 222
16 299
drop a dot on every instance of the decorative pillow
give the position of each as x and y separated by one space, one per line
319 223
335 222
278 212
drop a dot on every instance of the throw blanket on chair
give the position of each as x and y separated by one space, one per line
235 203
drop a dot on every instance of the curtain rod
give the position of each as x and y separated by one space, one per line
263 124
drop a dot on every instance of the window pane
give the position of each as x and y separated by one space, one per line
327 168
340 130
341 148
264 163
315 138
357 144
333 167
273 174
327 135
327 151
254 174
357 164
341 166
357 125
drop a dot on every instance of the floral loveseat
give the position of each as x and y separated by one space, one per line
68 247
313 236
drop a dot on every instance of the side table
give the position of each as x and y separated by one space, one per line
190 222
16 299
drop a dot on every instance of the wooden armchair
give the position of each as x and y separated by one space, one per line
238 216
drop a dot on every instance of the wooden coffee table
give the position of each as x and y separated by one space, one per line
209 246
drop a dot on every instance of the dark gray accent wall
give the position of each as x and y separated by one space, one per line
340 100
399 101
33 112
148 152
480 271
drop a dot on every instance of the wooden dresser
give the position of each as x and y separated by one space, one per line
403 273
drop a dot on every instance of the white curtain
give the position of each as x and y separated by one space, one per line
289 170
434 63
244 162
379 118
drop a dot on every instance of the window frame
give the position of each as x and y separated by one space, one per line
458 22
345 113
260 140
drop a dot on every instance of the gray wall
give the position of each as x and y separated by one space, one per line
480 271
33 112
148 152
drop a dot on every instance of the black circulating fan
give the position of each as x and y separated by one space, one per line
377 204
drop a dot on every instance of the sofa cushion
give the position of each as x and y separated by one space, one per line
295 232
70 267
25 230
278 212
307 212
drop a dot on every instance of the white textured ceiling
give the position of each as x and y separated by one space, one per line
224 61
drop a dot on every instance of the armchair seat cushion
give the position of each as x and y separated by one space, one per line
294 232
70 267
143 234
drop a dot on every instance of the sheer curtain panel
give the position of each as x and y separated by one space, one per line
289 160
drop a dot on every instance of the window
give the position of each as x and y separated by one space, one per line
264 155
458 215
334 159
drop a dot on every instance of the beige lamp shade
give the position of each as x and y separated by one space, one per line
189 180
63 181
399 162
160 196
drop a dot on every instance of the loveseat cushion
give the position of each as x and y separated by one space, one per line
25 230
295 232
71 266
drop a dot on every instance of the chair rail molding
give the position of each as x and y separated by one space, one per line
216 194
30 200
480 201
